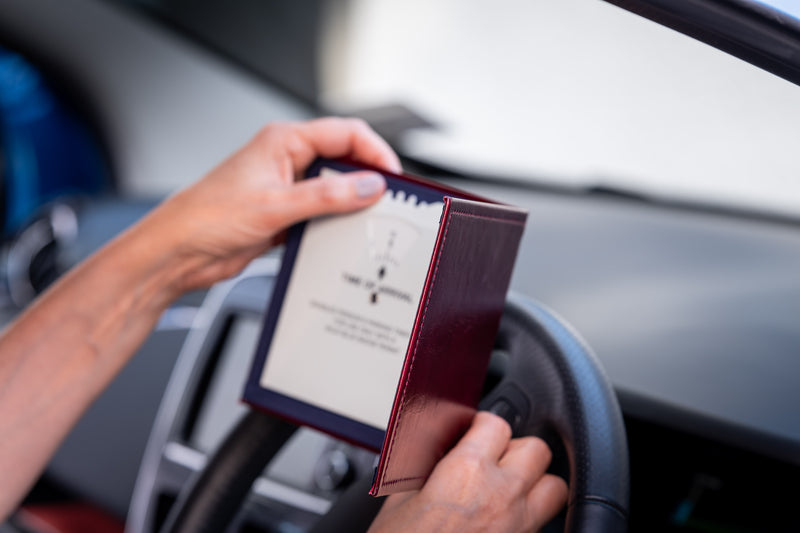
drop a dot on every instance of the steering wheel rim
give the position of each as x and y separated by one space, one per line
553 386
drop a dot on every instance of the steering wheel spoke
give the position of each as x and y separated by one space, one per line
543 379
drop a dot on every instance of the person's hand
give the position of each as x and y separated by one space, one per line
98 315
240 209
486 483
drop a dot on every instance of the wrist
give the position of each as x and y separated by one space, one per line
148 259
178 253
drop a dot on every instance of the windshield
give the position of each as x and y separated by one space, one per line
575 93
790 7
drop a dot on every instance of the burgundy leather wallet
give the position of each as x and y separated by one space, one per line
452 340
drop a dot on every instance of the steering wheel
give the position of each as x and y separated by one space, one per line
543 380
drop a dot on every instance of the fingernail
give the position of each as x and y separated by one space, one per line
369 185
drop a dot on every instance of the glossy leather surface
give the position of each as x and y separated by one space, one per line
452 340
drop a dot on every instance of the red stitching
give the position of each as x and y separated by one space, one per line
403 480
416 346
422 324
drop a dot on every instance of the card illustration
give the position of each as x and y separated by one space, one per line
361 278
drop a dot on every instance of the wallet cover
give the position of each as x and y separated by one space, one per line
451 337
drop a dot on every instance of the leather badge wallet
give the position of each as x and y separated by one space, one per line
381 322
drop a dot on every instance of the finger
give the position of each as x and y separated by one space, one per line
340 137
322 196
489 436
546 500
526 459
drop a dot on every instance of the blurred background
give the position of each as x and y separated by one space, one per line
571 93
577 93
108 105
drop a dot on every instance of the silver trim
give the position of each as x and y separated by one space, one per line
178 317
296 498
158 441
185 456
266 488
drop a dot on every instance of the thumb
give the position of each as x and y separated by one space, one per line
332 194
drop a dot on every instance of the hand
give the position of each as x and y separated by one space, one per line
487 483
240 209
97 316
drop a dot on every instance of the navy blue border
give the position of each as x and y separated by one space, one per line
291 408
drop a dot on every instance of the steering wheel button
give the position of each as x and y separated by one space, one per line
505 410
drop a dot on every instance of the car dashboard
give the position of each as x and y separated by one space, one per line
692 312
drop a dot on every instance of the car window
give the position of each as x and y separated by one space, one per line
787 6
575 93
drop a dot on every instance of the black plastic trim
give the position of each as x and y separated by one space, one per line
765 37
676 418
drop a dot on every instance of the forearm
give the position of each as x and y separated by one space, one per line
61 353
57 357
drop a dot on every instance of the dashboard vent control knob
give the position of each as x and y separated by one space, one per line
334 471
